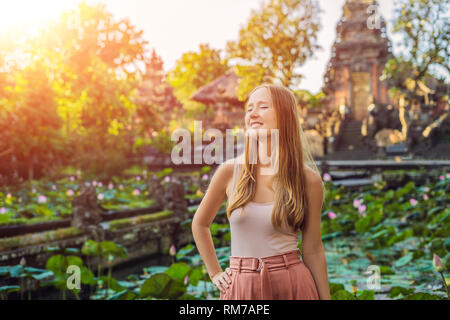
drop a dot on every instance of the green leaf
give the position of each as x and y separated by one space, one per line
395 291
404 260
16 271
366 295
176 289
4 270
386 270
71 250
91 248
334 287
9 288
422 296
57 264
342 295
87 277
74 260
187 296
196 275
122 295
43 275
156 286
178 270
400 236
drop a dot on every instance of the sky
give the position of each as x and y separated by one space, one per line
173 27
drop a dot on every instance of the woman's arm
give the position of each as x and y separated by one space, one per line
204 216
312 249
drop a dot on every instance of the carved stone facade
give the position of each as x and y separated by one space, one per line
359 54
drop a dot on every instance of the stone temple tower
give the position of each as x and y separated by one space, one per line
359 55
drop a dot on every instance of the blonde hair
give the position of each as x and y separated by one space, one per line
293 154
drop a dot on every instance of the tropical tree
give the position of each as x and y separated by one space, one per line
91 67
192 71
423 26
29 121
278 38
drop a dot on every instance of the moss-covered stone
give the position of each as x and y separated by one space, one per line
127 222
38 238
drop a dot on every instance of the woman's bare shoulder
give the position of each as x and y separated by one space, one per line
225 172
313 179
228 165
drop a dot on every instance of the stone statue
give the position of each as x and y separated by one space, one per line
86 213
169 195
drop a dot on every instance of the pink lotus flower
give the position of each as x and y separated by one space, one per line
2 210
357 203
331 215
425 197
362 209
72 178
20 200
441 177
120 187
172 250
110 186
42 199
100 184
186 280
100 196
448 175
167 179
413 201
23 261
136 192
205 177
138 178
94 183
426 189
154 176
70 192
437 263
326 176
33 190
53 187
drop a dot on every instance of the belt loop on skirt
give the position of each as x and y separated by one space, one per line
239 267
259 264
266 286
286 264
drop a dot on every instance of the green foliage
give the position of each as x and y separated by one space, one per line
192 71
274 43
422 25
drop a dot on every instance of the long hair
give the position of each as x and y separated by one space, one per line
293 154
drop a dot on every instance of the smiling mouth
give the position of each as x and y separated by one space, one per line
256 123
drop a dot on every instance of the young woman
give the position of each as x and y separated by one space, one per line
268 204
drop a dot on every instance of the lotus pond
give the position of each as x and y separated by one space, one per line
402 233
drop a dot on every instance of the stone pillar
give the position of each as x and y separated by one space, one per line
375 81
86 214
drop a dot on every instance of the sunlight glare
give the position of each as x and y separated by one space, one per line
26 17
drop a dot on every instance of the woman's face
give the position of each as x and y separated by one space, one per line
260 113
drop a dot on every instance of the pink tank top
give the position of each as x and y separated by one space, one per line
252 232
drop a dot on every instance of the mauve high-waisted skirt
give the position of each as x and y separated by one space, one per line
278 277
